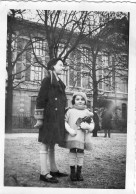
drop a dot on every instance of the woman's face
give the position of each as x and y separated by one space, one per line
79 101
59 67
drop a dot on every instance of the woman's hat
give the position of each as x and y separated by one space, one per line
81 94
52 62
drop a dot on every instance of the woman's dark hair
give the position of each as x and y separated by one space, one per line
52 63
73 100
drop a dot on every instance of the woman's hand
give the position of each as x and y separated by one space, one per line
38 124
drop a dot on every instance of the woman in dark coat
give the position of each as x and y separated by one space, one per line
50 114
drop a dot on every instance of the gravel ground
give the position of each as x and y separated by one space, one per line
104 166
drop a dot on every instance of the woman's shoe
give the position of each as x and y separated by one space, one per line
48 179
58 174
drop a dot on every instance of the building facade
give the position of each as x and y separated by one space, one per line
76 76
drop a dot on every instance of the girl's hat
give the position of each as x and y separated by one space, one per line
81 94
52 63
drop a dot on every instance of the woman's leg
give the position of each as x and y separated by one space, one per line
45 175
53 166
43 159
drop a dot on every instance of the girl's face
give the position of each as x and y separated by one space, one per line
59 67
79 101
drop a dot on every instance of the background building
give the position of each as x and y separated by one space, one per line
112 81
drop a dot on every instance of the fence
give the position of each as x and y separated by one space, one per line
27 122
23 121
119 124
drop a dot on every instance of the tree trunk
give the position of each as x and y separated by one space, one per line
9 88
9 102
95 86
95 94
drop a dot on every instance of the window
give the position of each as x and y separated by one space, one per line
99 61
86 79
85 55
28 65
105 61
113 72
61 49
75 70
78 74
100 76
36 73
64 77
71 77
107 84
39 46
75 76
18 70
19 58
124 60
121 84
124 111
33 104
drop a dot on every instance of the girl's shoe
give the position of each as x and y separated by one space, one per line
79 175
48 179
73 176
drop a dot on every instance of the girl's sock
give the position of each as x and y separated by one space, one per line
80 159
72 158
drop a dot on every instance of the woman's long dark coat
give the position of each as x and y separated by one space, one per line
52 98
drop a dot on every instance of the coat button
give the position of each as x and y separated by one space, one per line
56 98
56 109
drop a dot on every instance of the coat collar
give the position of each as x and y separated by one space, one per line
56 82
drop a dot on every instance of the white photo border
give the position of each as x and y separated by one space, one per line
125 6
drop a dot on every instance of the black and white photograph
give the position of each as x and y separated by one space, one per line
68 97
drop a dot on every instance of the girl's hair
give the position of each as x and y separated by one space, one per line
73 100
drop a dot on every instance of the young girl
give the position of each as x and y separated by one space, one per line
78 126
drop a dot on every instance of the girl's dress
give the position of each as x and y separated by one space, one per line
83 139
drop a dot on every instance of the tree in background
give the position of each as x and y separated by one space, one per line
107 57
17 49
63 33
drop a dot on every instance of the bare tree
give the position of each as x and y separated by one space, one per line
111 41
62 34
17 49
62 29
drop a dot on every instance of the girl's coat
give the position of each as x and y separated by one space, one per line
83 139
